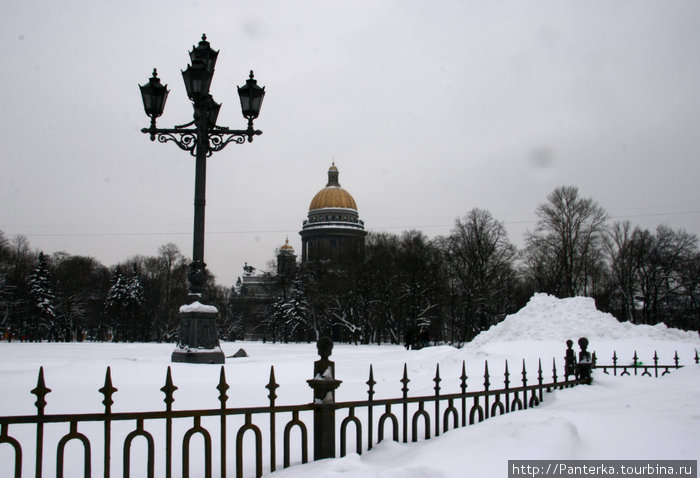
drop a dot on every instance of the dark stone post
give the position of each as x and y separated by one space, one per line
584 360
324 385
569 360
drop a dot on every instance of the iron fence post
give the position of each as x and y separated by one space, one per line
324 385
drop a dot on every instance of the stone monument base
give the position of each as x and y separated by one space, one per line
215 355
198 341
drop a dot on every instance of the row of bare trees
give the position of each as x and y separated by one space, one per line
638 275
407 288
410 288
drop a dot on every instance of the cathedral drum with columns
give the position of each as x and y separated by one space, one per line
333 230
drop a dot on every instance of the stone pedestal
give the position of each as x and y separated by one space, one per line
324 417
324 385
198 341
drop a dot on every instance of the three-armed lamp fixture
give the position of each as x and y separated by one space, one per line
198 340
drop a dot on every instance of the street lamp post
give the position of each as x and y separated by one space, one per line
198 341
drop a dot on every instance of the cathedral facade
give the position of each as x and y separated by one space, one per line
332 234
333 230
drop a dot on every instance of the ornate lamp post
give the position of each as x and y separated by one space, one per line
198 341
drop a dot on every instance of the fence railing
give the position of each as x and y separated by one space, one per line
450 410
369 419
167 416
639 368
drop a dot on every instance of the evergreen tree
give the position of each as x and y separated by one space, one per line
296 312
44 317
115 305
5 307
134 303
124 301
274 320
233 327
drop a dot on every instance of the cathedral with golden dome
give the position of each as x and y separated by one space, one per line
333 230
332 234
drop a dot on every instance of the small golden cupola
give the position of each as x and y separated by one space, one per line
286 247
286 260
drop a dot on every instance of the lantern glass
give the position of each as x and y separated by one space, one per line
205 54
214 112
251 96
153 95
197 80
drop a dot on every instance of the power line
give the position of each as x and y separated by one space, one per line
285 231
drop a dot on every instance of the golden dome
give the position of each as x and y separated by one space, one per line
286 246
333 195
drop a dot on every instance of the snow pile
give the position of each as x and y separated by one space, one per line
546 317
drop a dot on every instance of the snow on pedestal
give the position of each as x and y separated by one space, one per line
198 341
198 307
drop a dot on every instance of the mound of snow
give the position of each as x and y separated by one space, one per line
546 317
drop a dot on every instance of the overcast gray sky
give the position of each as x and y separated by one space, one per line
429 108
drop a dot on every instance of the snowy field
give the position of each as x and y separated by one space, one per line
614 418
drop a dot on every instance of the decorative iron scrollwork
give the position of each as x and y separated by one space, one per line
217 138
185 141
218 141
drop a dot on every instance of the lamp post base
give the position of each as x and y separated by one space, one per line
213 356
198 341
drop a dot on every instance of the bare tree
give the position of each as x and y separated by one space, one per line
170 256
81 284
620 247
172 271
481 257
660 258
564 254
420 283
382 281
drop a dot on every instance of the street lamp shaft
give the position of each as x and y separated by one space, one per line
200 186
197 276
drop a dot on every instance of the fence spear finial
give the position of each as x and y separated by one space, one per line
108 390
506 377
370 384
464 377
486 375
168 389
405 381
40 391
222 387
272 386
437 380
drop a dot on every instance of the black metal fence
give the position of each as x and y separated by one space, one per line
640 368
363 422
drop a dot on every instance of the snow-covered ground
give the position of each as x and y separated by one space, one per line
614 418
